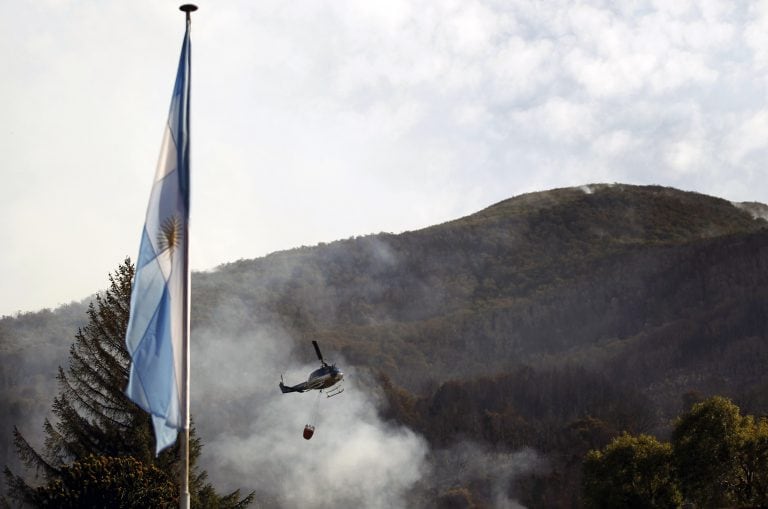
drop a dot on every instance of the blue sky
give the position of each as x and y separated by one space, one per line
319 120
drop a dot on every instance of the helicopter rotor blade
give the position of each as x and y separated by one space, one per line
317 350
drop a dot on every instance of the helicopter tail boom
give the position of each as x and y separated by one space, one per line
296 388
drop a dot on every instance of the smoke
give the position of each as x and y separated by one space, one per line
381 253
591 188
756 210
252 433
469 462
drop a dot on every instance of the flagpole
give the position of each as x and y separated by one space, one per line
184 498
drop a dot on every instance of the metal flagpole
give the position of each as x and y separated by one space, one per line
184 501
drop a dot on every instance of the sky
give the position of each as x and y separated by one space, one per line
314 121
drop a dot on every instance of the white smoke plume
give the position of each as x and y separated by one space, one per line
756 210
466 462
252 433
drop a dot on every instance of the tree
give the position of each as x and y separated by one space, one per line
97 425
707 442
105 481
753 464
632 472
456 498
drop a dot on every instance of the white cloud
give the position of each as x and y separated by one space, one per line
615 144
471 29
756 33
680 68
558 119
685 156
519 68
319 121
749 135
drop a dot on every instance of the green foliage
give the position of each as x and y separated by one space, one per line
717 458
753 463
103 481
631 472
97 429
707 441
721 455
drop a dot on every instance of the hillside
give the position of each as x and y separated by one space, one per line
551 320
560 276
32 345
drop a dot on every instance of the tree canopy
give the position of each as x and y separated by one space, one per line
101 445
717 458
632 472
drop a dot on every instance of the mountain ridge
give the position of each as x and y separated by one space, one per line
487 260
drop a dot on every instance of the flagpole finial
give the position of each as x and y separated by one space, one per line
188 9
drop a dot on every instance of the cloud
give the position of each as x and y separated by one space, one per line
560 120
317 122
749 135
756 34
685 156
615 144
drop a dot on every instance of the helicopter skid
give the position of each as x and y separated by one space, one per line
334 392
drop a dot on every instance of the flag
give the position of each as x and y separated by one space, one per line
157 327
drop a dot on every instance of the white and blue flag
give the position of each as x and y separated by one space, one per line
158 320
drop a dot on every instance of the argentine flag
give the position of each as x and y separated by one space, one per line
158 321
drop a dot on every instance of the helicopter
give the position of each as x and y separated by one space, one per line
327 377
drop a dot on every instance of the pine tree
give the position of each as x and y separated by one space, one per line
97 425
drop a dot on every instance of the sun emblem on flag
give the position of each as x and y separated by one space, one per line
170 233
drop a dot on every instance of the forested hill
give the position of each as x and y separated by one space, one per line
663 287
553 319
